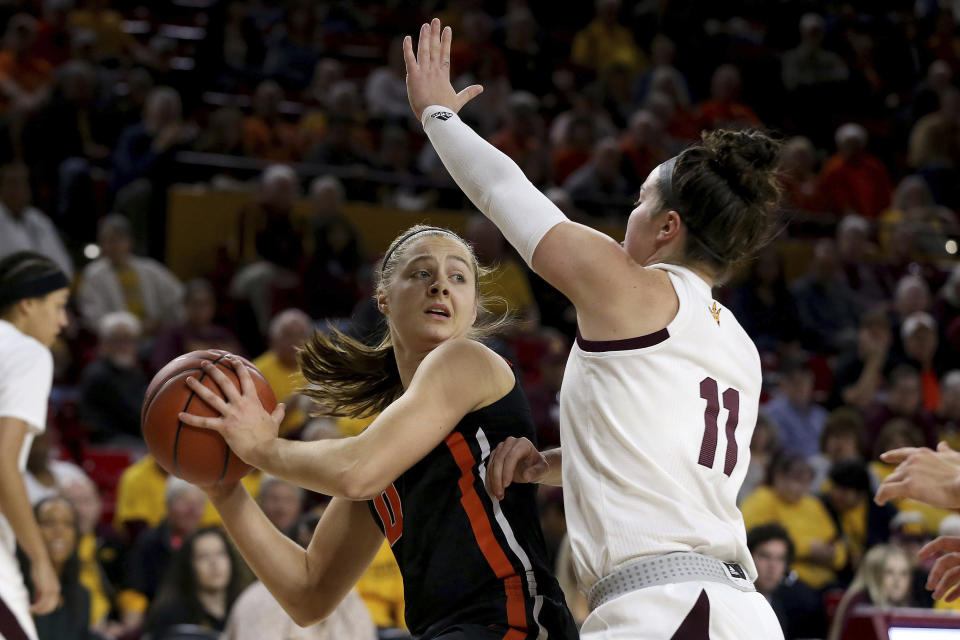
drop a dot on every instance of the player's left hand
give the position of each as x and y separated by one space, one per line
514 460
428 71
244 423
925 475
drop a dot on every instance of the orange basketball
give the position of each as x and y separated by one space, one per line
197 455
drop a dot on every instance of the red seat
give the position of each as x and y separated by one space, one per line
105 465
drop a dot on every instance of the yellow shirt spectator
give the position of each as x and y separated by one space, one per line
381 588
806 522
605 43
284 382
91 576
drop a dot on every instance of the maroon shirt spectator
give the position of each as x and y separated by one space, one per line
853 180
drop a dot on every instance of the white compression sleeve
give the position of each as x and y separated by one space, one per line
492 181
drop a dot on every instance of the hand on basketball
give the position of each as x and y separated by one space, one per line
514 460
428 71
244 423
925 475
945 574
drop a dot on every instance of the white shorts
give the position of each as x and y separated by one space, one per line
15 620
684 611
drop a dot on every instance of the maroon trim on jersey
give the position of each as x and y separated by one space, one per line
627 344
696 626
9 626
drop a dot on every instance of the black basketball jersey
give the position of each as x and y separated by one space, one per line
466 557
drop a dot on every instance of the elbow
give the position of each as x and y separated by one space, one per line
315 605
361 482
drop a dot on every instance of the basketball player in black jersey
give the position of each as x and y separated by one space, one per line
474 567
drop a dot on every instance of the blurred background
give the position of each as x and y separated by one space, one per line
226 175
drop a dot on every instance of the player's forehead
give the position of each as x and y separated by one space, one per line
437 248
651 185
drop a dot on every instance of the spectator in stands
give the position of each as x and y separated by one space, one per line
724 110
522 137
53 33
604 41
883 580
911 294
786 499
474 48
23 226
25 78
853 180
644 145
841 440
281 501
111 387
904 400
106 26
919 335
935 138
668 102
63 143
231 55
197 331
763 445
143 161
915 227
764 305
799 418
586 103
385 92
866 279
544 395
346 138
46 475
525 52
58 528
861 523
812 76
101 555
140 498
334 272
574 150
289 330
256 614
508 282
663 51
154 549
926 94
381 588
224 132
799 177
265 133
203 580
910 532
825 305
798 607
122 281
948 413
858 373
598 187
946 305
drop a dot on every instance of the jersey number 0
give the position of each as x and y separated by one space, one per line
731 402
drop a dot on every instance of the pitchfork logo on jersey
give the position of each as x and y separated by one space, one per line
715 312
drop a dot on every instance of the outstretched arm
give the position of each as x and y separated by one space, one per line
925 475
579 261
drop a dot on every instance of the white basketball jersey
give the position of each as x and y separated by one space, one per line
656 437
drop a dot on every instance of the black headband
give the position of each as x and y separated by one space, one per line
396 245
672 203
34 288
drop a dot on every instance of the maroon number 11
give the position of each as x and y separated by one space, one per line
731 402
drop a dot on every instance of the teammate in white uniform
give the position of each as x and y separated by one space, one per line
33 296
661 391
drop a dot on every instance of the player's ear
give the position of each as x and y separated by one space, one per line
382 302
669 226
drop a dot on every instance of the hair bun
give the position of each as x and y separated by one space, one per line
746 160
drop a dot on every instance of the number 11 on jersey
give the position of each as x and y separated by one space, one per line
710 392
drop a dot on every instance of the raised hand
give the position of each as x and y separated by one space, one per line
929 476
514 460
244 423
428 71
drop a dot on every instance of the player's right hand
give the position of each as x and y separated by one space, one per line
428 71
945 574
46 587
514 460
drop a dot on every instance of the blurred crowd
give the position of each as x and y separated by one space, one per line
855 308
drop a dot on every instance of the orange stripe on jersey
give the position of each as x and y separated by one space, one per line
483 532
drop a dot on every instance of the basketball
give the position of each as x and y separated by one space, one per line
199 456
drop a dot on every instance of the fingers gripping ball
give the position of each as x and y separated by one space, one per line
197 455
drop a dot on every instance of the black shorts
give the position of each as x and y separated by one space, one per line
472 632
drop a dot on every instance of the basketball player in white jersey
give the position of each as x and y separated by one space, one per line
33 296
661 390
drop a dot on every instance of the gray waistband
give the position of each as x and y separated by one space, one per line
667 569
